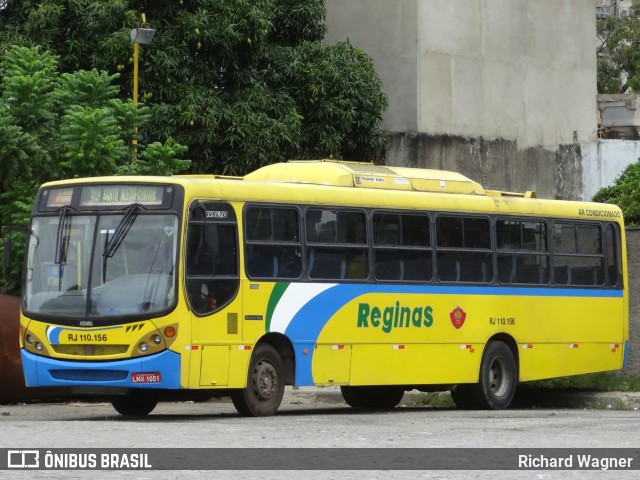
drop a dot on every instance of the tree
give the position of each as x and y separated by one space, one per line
242 83
618 53
625 193
55 126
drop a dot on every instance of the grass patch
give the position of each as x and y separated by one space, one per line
598 382
431 399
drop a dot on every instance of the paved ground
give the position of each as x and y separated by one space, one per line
525 398
317 418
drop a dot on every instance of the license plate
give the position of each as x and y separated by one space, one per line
146 377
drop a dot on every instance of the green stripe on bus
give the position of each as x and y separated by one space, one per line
276 295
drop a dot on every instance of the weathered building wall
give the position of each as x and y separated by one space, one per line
503 91
633 260
603 162
496 164
471 81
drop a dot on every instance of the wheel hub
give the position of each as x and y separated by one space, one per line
266 380
498 378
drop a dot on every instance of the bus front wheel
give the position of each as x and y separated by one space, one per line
372 398
134 404
265 384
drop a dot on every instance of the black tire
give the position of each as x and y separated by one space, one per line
463 396
497 383
498 378
134 404
265 384
372 398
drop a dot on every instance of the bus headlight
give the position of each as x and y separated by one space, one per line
155 341
28 338
39 347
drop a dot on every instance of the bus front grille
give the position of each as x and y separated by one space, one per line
90 350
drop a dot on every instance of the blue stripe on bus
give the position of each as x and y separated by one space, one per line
306 325
49 372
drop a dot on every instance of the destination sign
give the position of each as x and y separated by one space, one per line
117 195
59 197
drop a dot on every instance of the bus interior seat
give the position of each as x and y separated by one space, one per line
472 268
417 270
58 277
448 268
587 276
562 275
263 266
327 265
506 269
390 270
526 273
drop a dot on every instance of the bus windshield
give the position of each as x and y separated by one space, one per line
100 266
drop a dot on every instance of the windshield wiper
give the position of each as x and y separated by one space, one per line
130 215
62 237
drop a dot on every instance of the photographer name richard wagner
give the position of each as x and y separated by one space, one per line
586 461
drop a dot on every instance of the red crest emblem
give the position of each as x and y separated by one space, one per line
458 316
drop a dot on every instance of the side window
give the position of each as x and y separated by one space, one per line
212 256
578 254
614 273
401 247
463 246
523 253
272 242
336 244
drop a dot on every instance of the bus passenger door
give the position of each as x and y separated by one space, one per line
212 288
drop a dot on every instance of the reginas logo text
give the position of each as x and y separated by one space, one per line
396 316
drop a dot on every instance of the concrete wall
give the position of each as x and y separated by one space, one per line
472 81
633 260
503 91
603 162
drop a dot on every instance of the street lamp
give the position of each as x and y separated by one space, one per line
139 36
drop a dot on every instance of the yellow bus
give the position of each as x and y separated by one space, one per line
376 279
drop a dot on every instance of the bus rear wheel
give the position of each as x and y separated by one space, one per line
265 384
134 404
372 398
497 384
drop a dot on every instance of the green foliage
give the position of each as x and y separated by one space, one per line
55 126
29 77
158 159
605 381
339 96
88 88
259 127
242 83
297 21
625 193
18 151
618 53
93 144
